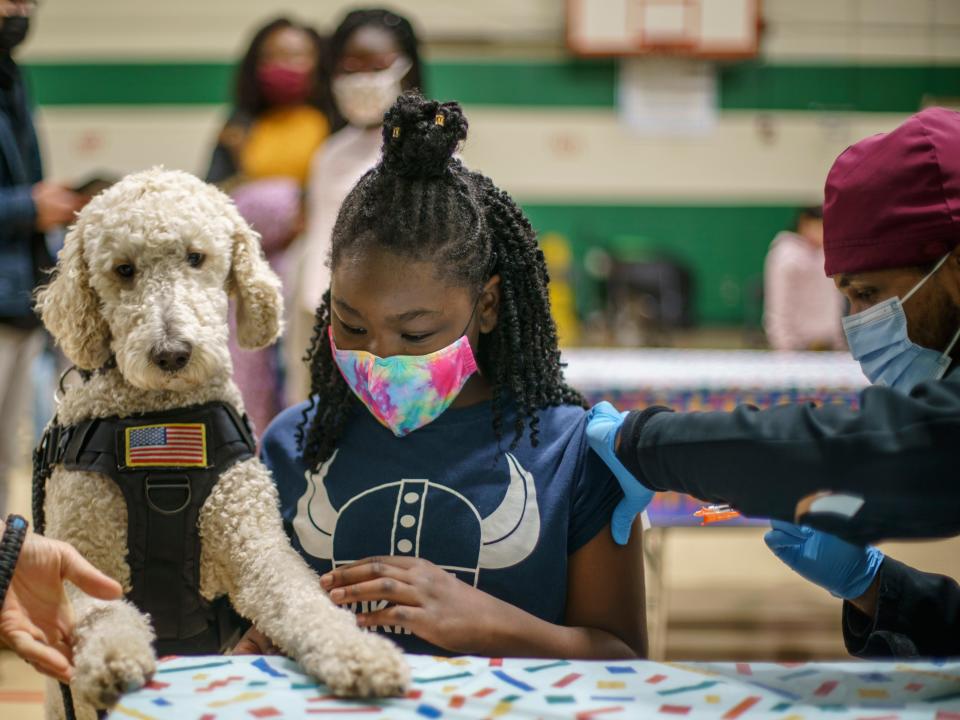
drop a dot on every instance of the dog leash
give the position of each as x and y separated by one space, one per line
40 476
41 473
69 712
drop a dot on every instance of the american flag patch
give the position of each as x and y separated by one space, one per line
167 445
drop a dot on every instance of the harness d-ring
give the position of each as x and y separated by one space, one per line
176 482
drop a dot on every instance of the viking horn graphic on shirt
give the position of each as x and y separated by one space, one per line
507 536
316 518
510 533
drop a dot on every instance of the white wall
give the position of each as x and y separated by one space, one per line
549 155
846 30
881 31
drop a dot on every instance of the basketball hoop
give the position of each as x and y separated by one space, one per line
705 29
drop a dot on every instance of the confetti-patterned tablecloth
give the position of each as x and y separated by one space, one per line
230 688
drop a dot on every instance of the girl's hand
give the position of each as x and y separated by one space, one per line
255 642
427 601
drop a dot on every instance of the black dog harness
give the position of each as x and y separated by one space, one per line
165 464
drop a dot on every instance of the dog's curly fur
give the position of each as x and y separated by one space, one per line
157 221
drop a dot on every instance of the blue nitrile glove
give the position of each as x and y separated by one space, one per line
844 569
603 423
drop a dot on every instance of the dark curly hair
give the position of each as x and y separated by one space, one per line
395 24
249 100
422 203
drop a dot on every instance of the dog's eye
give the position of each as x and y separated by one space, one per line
125 271
195 259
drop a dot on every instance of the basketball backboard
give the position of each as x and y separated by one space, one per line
713 29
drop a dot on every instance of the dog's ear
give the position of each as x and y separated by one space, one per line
255 287
70 307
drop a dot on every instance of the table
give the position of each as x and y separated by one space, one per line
656 372
249 687
702 380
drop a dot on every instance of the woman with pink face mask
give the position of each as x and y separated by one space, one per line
374 58
281 116
282 108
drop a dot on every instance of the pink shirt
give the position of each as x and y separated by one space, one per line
802 306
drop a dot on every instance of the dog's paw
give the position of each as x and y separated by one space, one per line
103 681
113 655
363 665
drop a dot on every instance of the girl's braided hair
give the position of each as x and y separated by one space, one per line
420 202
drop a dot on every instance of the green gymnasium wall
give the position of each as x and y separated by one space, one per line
724 243
742 86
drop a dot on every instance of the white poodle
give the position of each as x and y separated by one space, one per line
144 278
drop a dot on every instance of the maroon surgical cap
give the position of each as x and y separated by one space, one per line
893 200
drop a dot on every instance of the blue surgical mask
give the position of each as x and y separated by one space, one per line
878 339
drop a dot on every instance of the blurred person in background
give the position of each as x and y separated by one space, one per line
802 308
274 208
375 56
29 207
281 108
282 113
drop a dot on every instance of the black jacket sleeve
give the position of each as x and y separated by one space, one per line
223 161
917 615
898 452
223 166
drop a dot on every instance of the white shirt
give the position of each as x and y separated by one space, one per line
335 169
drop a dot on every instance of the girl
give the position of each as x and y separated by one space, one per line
374 57
439 477
281 108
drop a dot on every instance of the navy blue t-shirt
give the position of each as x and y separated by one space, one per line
502 520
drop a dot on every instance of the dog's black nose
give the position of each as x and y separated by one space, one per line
172 359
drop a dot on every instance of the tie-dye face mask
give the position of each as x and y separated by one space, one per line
406 392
